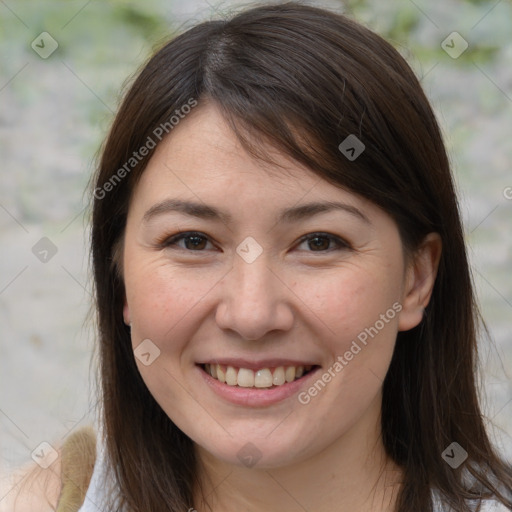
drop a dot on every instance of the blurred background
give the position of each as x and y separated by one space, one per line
63 66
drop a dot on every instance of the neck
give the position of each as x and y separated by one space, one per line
353 473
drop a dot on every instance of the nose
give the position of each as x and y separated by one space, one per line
254 300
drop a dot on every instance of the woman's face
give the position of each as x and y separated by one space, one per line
277 272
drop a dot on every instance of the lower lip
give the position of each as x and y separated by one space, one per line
256 397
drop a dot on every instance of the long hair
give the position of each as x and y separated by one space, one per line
303 79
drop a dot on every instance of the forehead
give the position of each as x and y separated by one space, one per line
203 158
202 149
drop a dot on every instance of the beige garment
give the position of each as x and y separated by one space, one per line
78 456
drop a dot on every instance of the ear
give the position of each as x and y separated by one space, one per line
126 313
420 277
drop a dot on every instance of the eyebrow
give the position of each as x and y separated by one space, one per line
292 214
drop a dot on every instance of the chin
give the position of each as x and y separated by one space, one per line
257 453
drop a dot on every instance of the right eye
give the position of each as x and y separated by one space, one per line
188 240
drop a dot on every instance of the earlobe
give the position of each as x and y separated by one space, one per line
419 282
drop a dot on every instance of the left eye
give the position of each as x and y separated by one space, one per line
323 242
191 241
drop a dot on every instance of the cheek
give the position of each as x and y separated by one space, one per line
356 320
165 304
161 297
348 301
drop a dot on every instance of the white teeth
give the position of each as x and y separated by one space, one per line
289 374
231 376
221 375
278 379
263 378
245 378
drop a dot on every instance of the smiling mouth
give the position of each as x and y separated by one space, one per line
262 378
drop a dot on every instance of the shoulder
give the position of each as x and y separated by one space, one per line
60 486
31 489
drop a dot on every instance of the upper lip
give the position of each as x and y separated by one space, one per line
256 365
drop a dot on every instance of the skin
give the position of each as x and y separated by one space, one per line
295 300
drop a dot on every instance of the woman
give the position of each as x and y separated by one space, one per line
283 294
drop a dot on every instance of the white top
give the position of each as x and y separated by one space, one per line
487 506
95 496
493 506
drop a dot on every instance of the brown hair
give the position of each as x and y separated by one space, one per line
303 79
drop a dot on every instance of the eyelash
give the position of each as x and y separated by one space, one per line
171 241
